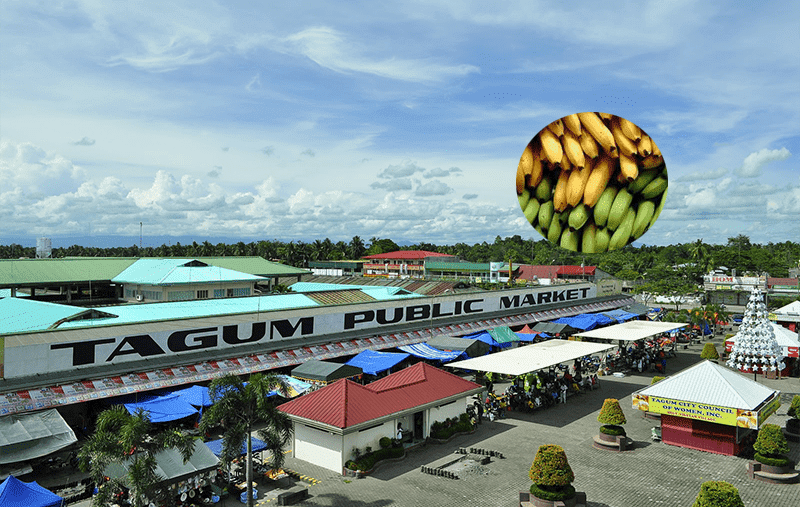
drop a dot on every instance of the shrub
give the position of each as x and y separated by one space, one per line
385 442
794 408
709 351
612 429
367 462
611 413
773 462
550 467
771 441
718 494
546 493
656 379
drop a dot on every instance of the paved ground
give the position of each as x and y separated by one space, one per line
654 474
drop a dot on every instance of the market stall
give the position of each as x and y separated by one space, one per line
708 407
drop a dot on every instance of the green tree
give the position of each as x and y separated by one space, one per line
131 441
244 407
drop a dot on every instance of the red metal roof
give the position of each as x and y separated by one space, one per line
406 255
576 270
771 281
527 272
345 403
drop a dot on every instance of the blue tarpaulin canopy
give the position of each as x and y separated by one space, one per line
619 315
585 321
216 446
485 337
529 337
165 408
15 493
425 351
374 362
195 395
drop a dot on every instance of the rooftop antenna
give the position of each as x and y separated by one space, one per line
140 235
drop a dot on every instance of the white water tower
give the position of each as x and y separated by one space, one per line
44 248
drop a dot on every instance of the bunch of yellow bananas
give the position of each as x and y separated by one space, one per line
591 182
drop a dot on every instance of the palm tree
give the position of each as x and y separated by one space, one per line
243 406
128 440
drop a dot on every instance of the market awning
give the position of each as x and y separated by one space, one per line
425 351
324 371
538 356
195 395
34 435
170 466
471 347
632 330
504 335
482 336
619 315
585 321
15 493
553 329
373 362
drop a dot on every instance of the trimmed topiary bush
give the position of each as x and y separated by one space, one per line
771 442
612 430
551 474
656 379
718 494
773 462
794 408
612 417
709 351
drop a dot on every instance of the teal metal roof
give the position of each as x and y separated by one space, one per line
457 266
374 291
179 271
387 293
24 314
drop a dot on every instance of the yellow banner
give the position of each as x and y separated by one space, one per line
703 412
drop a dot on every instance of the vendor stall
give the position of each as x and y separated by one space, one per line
325 372
708 407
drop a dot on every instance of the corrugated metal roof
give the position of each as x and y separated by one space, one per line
254 265
24 314
179 271
345 403
406 255
457 266
338 297
55 271
711 384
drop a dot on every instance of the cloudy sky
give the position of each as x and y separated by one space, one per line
403 120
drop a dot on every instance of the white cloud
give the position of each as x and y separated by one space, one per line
755 162
393 185
33 170
400 171
433 187
86 141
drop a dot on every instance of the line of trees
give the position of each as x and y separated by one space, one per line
687 261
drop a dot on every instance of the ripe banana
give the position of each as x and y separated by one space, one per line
551 146
627 167
520 180
598 130
603 206
625 145
573 124
598 180
578 216
630 130
560 193
644 213
655 187
557 127
577 183
651 161
589 145
619 209
573 150
644 146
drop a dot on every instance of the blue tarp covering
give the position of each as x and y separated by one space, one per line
166 408
485 337
294 387
216 446
195 395
618 315
15 493
585 321
373 362
529 337
425 351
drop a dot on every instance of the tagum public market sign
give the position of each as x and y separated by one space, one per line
750 419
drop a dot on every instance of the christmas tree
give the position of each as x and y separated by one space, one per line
756 347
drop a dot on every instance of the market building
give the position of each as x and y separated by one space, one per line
330 422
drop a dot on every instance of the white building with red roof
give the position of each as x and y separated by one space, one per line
402 263
331 422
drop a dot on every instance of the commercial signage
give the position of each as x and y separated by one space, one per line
28 360
727 416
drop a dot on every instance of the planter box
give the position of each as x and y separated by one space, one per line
528 500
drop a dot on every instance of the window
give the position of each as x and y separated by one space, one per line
219 293
202 294
180 295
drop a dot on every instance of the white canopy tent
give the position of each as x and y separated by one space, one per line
632 330
522 360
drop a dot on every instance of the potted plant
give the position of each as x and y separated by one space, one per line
718 494
612 418
793 424
709 352
770 447
552 477
656 379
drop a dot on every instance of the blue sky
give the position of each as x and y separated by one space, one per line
401 120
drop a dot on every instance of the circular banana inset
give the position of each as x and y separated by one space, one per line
591 182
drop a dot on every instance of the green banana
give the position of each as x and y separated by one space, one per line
621 205
554 231
544 190
532 210
645 177
588 243
540 231
578 216
658 210
623 232
643 216
655 187
603 205
546 214
569 240
523 198
563 216
601 240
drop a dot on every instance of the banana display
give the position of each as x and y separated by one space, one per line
591 182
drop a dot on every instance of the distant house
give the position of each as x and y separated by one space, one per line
331 422
402 264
